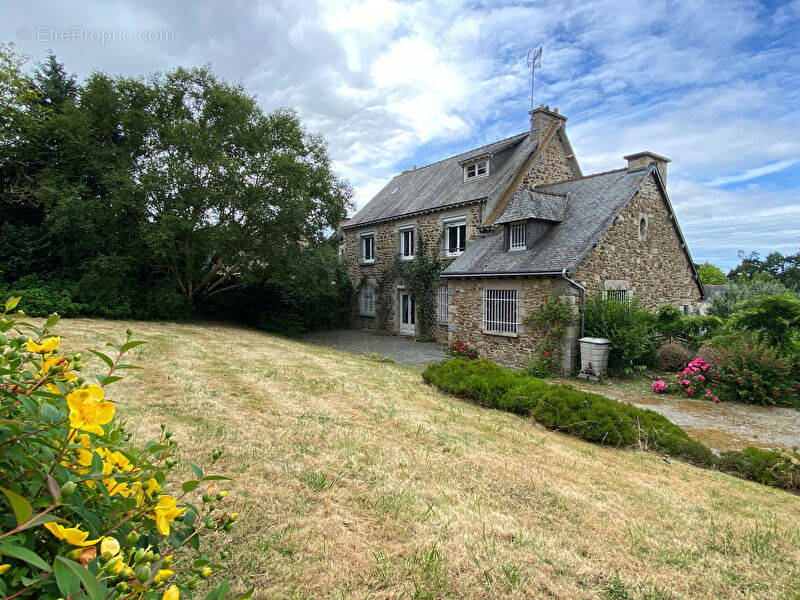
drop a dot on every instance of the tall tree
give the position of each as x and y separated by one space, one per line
54 84
232 192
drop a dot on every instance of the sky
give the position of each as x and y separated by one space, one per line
714 86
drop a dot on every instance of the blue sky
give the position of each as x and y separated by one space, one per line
713 86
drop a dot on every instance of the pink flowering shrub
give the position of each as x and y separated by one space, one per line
695 377
659 387
459 348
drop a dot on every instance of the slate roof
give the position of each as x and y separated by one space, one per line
525 204
441 184
590 206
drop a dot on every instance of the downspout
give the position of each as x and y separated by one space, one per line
582 290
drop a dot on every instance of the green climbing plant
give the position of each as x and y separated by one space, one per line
420 277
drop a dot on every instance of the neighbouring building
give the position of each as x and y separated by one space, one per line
517 222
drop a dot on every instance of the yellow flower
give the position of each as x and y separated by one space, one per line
47 345
71 535
61 362
88 411
171 593
116 565
162 575
109 547
165 513
140 492
5 567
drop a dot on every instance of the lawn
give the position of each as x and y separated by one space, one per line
354 479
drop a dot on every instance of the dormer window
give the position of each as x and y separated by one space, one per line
516 236
476 169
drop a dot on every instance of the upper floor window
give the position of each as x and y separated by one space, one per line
456 237
368 248
407 243
516 238
478 169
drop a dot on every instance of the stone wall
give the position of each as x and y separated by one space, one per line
516 351
387 245
653 266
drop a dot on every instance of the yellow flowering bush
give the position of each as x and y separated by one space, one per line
85 514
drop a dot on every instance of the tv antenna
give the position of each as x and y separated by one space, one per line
534 61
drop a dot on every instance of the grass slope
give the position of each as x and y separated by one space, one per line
356 480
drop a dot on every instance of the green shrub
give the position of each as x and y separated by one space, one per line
604 421
744 290
673 356
41 297
86 513
778 468
776 319
752 371
633 345
589 416
671 325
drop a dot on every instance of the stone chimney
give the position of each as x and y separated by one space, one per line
542 119
642 160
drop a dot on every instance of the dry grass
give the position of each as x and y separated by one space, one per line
356 480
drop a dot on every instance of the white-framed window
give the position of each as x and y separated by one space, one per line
366 300
478 169
441 305
500 311
621 295
516 236
407 243
455 237
368 247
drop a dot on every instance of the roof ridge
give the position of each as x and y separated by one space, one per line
462 153
580 178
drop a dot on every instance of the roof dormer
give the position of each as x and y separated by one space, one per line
476 167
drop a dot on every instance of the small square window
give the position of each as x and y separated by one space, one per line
478 169
368 248
620 295
516 238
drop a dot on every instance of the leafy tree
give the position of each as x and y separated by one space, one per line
231 192
785 269
711 274
775 318
743 290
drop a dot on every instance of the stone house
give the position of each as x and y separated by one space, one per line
517 222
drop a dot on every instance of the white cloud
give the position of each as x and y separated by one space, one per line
716 87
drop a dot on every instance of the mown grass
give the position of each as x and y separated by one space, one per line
354 479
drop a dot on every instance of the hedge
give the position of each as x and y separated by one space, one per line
601 420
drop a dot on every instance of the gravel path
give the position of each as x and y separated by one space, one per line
400 349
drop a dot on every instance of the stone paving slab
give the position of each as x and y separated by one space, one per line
402 350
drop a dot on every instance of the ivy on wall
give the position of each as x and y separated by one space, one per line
420 277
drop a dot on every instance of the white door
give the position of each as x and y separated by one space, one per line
407 313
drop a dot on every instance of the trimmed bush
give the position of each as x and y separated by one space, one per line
602 420
778 468
673 357
589 416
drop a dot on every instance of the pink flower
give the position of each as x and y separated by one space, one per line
716 399
689 391
659 386
685 382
